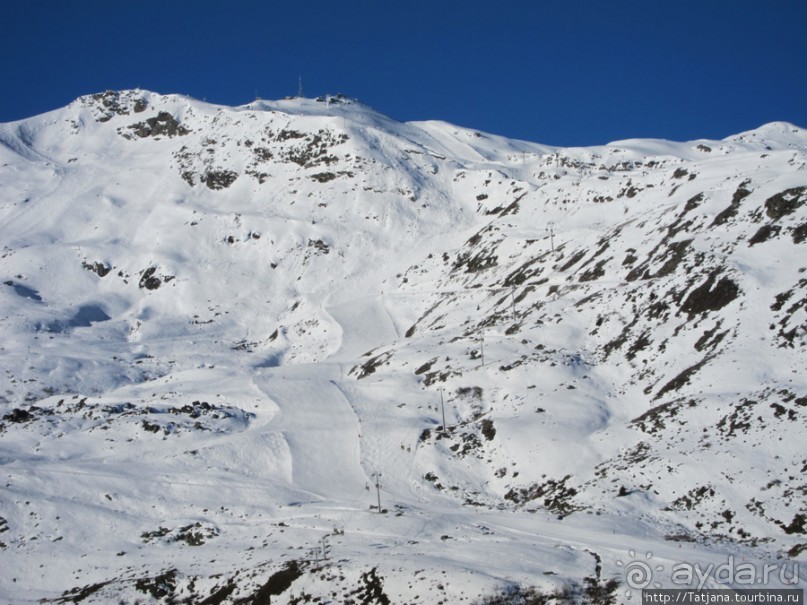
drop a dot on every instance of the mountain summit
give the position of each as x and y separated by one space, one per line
299 349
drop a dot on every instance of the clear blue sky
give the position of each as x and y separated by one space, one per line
563 72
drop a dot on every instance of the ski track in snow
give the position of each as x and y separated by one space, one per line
321 430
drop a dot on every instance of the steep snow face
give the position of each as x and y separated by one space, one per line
228 334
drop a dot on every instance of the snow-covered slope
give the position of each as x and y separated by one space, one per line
222 328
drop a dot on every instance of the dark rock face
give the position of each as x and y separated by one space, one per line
712 295
785 203
148 280
219 179
164 124
151 281
112 103
18 415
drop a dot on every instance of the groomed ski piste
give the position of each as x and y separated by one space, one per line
228 333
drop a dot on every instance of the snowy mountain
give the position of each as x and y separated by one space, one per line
228 333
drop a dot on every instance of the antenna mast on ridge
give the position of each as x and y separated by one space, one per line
300 88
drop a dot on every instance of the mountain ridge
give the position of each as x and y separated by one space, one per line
256 301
